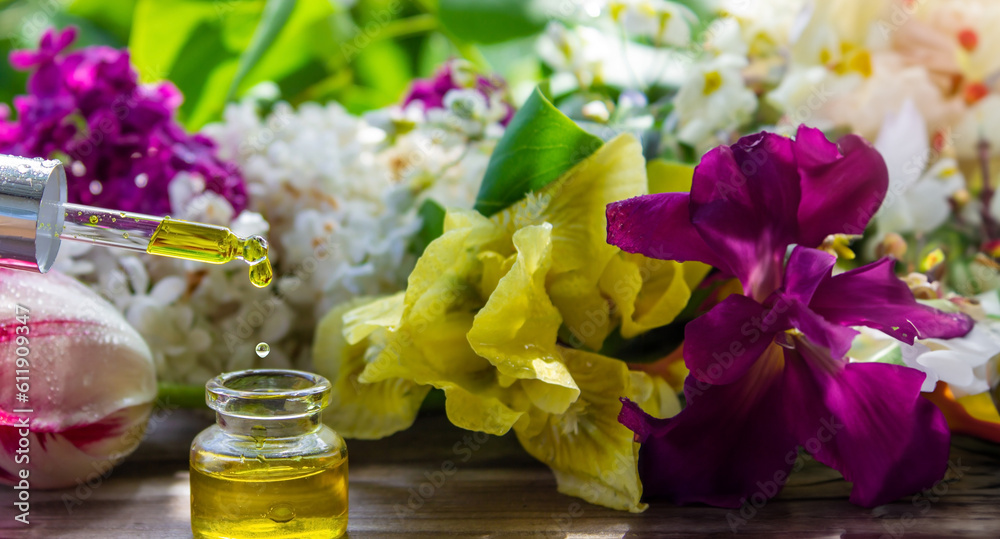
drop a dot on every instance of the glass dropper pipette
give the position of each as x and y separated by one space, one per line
35 218
165 237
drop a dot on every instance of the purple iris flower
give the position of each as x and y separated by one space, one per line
120 138
768 369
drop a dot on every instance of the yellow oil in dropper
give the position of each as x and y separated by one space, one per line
211 244
163 236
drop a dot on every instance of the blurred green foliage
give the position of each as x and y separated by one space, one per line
362 53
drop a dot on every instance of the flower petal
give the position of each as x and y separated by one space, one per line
950 367
904 144
834 338
575 206
744 201
517 329
592 455
433 350
873 296
429 344
63 455
974 415
839 196
585 311
358 410
480 407
730 443
910 354
805 270
448 262
647 293
721 345
364 317
868 421
93 384
659 226
440 356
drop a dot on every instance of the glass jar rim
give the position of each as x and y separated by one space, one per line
268 393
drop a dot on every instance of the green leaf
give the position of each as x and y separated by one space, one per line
432 215
276 14
539 145
434 51
382 73
112 16
491 21
160 29
205 41
384 67
198 44
12 82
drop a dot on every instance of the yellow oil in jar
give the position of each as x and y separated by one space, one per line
211 244
298 498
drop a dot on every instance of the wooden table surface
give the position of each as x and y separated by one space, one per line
499 491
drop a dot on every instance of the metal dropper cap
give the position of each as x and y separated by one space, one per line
32 193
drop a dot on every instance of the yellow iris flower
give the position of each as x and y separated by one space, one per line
496 313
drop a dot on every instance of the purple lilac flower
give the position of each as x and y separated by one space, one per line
120 138
430 93
768 370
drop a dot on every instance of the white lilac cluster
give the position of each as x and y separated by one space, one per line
337 196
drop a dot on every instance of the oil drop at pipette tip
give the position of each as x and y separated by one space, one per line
261 274
211 244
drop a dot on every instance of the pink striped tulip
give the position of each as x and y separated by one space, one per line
87 375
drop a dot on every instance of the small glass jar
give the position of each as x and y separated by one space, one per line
269 467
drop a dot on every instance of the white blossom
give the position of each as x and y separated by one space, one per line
917 200
713 100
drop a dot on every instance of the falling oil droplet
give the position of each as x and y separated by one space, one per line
114 220
281 512
93 219
261 273
79 213
125 235
263 350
